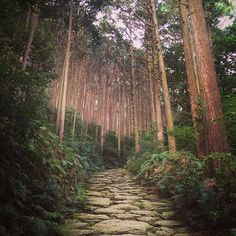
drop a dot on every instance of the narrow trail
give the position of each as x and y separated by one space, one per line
121 206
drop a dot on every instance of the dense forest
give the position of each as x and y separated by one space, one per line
147 86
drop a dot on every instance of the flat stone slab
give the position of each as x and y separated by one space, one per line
168 215
123 201
127 216
94 193
163 209
151 204
99 201
125 207
127 197
121 226
168 223
79 232
109 211
144 212
147 219
165 231
76 225
91 217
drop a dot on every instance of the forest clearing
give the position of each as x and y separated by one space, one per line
118 117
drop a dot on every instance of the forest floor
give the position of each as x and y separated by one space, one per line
119 205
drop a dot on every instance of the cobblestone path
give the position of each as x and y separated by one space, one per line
121 206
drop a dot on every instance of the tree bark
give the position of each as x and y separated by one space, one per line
65 74
168 110
134 100
119 120
151 88
33 18
193 77
215 136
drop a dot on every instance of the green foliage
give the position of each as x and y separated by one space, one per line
225 170
185 138
80 196
204 202
110 152
214 9
149 139
135 162
224 49
230 122
40 178
89 156
127 144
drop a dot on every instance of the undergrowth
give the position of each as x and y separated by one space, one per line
205 203
41 179
40 183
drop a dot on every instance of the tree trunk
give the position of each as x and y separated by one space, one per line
160 131
119 121
134 100
169 117
59 101
76 101
103 114
151 87
33 19
65 74
193 78
216 140
156 87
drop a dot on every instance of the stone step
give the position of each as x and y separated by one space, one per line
121 206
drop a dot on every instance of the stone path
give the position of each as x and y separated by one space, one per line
121 206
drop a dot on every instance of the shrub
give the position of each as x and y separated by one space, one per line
204 202
185 138
230 121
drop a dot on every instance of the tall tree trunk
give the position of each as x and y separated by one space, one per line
215 132
74 122
193 78
160 130
151 87
169 117
65 74
103 101
156 87
140 111
134 100
32 17
119 120
96 134
59 101
76 101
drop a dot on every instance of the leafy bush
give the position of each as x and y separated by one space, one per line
203 202
230 121
149 141
135 162
110 152
89 155
38 181
39 177
185 138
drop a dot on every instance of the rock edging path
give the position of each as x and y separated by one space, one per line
121 206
